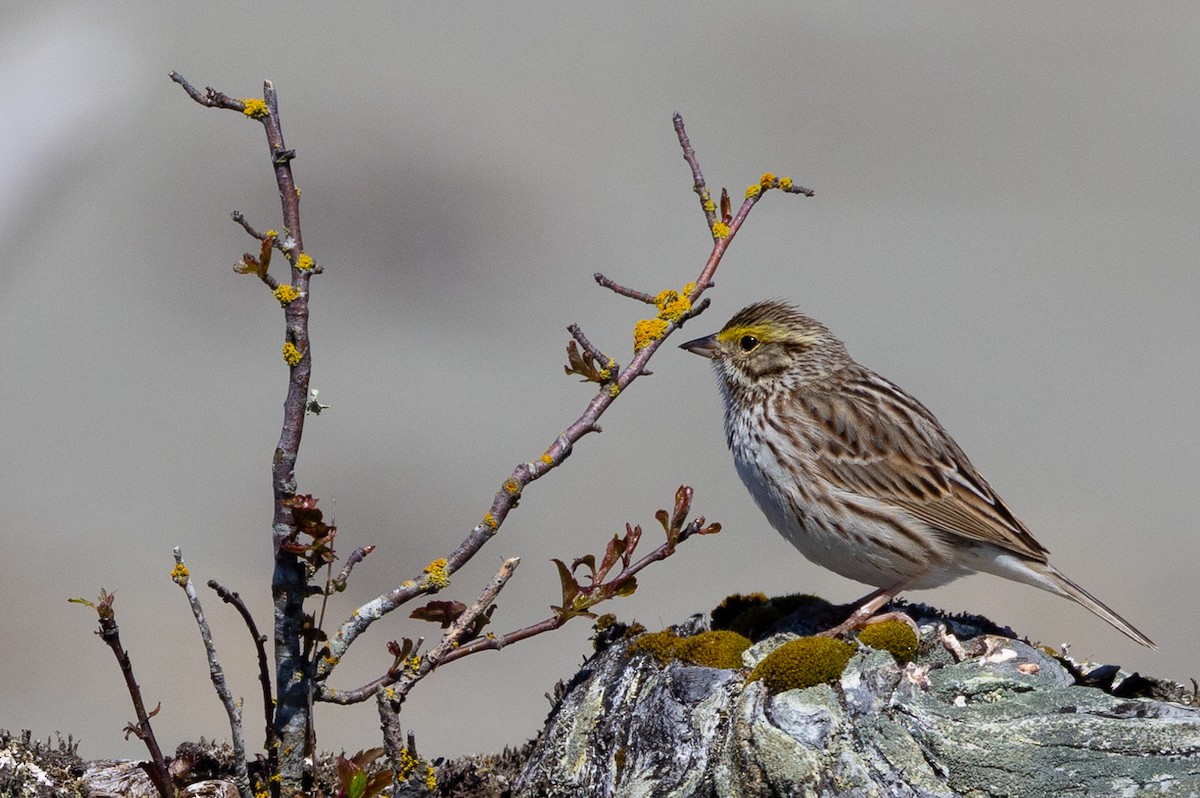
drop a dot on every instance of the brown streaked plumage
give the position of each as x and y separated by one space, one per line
857 474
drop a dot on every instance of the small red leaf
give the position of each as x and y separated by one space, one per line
441 612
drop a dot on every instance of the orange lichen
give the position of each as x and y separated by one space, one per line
646 331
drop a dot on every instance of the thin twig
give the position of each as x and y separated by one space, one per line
264 678
233 709
358 555
497 642
407 678
616 287
240 218
604 360
211 98
698 184
157 768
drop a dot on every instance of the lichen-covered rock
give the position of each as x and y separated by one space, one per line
1008 720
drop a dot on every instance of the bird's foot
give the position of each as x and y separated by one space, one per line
857 622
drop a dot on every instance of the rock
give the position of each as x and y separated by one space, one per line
1008 720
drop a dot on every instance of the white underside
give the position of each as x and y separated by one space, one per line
774 488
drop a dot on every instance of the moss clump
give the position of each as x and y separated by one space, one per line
896 637
753 615
717 649
609 630
803 663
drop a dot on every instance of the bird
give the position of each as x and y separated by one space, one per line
859 475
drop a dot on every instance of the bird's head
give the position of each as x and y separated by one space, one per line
771 342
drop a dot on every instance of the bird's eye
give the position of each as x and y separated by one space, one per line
748 343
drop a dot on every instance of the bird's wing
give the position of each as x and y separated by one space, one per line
882 443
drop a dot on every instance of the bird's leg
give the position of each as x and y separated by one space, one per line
867 606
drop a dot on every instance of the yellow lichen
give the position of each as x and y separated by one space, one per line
291 354
286 294
720 230
614 390
785 183
489 521
255 108
438 573
676 310
430 778
546 458
305 262
803 663
753 191
671 306
894 636
511 487
179 574
272 233
767 179
647 330
709 205
406 764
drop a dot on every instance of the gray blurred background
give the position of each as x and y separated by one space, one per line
1006 223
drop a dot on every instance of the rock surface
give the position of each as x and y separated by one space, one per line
977 714
1007 720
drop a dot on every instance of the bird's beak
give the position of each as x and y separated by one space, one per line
705 347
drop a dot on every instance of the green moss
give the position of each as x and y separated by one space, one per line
894 636
803 663
716 649
663 646
753 615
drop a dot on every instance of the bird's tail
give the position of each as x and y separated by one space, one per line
1057 583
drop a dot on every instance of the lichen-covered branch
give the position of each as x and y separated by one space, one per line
293 672
578 599
406 675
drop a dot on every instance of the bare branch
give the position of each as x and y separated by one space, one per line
157 769
240 218
232 708
264 678
616 287
338 583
